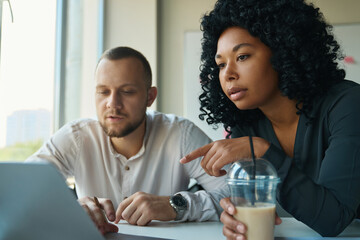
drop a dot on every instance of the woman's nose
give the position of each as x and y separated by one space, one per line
230 72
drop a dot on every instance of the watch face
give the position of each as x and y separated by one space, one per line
179 201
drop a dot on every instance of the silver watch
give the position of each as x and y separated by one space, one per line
180 205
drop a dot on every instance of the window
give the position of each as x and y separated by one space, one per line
47 59
26 76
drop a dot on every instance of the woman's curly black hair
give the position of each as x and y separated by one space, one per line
304 54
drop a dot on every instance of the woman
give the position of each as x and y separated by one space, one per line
270 70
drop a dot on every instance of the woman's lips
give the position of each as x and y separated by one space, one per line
236 93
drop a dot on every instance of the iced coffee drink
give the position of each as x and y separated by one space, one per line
259 219
253 191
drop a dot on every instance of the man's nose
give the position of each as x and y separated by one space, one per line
114 101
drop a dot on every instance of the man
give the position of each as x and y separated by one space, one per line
129 157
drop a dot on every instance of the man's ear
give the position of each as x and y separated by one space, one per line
152 93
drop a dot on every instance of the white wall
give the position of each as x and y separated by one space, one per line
339 11
134 24
348 36
177 17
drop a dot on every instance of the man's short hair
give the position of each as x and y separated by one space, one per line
127 52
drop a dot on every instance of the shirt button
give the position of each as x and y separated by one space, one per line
127 168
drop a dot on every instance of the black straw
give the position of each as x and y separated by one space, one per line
253 156
253 175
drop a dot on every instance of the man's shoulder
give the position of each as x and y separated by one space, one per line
174 135
159 118
83 125
82 122
174 126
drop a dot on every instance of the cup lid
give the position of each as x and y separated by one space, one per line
243 171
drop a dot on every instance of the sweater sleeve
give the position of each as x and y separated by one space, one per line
328 202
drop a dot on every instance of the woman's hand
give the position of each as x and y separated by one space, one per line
233 229
222 152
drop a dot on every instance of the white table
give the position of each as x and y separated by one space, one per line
290 229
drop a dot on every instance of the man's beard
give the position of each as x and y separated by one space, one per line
128 128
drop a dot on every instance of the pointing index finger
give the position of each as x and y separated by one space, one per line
196 153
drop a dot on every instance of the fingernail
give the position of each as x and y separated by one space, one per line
230 209
240 228
239 238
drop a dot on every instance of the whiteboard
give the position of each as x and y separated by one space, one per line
348 36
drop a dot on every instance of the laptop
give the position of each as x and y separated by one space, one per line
35 203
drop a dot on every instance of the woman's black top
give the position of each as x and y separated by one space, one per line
320 185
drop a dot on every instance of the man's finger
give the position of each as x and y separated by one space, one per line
111 228
196 153
132 217
143 220
122 206
129 212
99 216
88 211
108 208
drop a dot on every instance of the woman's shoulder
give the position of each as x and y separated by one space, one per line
334 94
343 92
342 99
342 87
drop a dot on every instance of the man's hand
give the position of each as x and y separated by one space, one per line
95 211
141 208
222 152
234 229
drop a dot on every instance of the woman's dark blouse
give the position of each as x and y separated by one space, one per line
320 185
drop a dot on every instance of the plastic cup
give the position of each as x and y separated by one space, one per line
253 193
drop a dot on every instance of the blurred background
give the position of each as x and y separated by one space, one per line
49 49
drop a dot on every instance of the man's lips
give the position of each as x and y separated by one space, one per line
236 93
115 117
